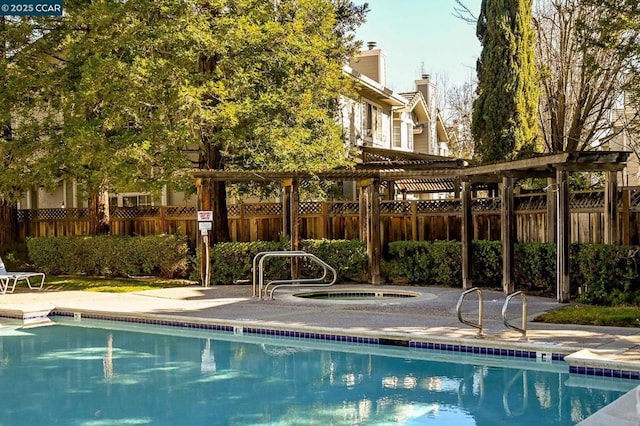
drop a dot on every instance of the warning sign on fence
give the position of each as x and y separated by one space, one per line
205 216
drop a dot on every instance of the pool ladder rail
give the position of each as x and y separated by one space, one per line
479 324
263 289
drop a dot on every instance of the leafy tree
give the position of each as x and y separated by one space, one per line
117 94
504 120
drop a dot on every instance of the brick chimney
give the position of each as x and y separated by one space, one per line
372 63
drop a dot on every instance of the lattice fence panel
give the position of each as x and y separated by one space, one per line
438 206
310 208
265 209
634 195
131 212
183 211
486 205
343 208
530 202
582 200
395 207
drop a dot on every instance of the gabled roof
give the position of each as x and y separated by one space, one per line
374 90
417 104
441 130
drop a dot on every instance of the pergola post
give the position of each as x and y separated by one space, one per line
563 228
294 208
363 210
611 208
374 244
552 210
467 234
286 207
507 217
626 205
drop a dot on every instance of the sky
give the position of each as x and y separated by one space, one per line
422 36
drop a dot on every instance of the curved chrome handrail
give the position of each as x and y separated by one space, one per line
310 282
478 324
258 272
505 321
254 269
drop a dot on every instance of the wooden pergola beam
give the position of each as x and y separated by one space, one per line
543 166
508 227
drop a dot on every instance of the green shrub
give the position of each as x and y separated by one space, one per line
347 257
410 260
425 262
447 258
535 267
486 263
117 256
232 262
609 274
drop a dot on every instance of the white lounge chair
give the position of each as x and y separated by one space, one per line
8 280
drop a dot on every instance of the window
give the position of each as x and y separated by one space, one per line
409 135
130 200
397 133
372 121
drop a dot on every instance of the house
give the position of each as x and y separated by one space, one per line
626 139
380 118
375 117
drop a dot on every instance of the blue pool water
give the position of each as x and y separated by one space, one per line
100 373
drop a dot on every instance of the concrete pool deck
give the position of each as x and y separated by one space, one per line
429 317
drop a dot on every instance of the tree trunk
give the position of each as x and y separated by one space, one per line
214 196
8 222
99 213
214 193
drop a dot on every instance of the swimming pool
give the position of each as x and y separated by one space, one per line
91 372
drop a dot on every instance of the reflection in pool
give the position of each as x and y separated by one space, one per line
97 373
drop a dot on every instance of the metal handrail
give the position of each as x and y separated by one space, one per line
254 268
522 329
477 325
309 282
258 272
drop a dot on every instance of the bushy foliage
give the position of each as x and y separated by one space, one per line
347 257
535 267
486 263
425 262
117 256
232 262
608 274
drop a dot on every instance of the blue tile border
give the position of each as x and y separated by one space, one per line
147 321
605 372
476 350
338 338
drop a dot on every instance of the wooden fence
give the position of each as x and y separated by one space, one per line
401 220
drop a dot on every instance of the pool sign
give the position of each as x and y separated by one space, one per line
204 226
205 216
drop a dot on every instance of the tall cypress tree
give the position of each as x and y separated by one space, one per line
505 112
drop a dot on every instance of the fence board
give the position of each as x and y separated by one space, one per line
401 220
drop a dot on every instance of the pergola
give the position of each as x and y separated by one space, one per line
442 174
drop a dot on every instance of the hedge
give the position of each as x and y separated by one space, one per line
117 256
600 274
232 262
